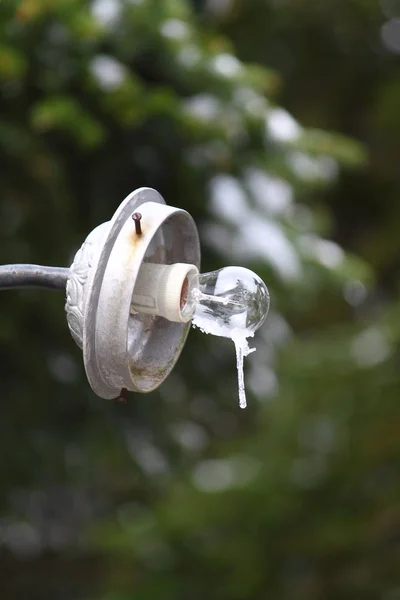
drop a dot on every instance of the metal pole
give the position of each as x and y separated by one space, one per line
36 276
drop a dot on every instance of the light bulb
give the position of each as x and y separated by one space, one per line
232 298
224 300
232 302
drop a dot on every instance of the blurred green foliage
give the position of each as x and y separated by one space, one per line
180 494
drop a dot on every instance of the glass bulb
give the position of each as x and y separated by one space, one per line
232 302
230 299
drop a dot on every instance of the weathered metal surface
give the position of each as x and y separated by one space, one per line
124 350
36 276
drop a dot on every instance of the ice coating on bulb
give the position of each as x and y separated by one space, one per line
232 302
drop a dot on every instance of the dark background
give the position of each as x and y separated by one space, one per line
276 124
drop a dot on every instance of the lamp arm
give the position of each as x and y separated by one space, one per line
36 276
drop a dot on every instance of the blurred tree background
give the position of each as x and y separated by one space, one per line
276 124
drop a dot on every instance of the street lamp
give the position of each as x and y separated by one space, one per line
134 287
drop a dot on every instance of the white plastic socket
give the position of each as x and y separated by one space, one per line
165 290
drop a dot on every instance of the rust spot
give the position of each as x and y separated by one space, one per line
123 395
